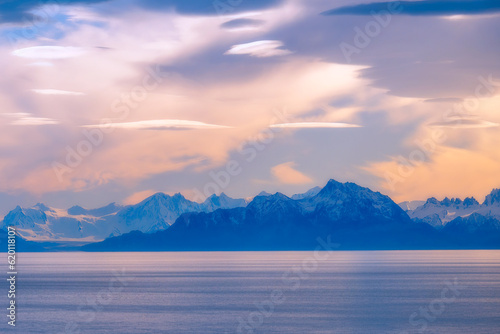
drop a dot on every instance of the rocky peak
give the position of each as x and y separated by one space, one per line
493 198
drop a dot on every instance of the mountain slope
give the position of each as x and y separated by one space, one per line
410 205
474 231
21 245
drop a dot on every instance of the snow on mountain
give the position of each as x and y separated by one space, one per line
106 210
411 205
152 214
43 223
160 211
491 205
439 213
272 209
348 202
493 199
222 201
310 193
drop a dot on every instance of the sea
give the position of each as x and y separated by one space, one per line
348 292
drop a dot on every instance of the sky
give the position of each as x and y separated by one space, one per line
112 101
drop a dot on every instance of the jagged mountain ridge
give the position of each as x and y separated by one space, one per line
440 213
355 216
155 213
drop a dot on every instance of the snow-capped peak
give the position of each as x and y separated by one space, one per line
310 193
222 201
42 207
439 213
493 198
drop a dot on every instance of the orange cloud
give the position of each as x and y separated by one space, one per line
452 172
285 173
138 197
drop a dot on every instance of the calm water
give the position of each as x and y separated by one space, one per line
267 292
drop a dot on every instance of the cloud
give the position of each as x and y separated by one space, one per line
426 7
26 10
204 7
285 173
49 52
34 121
464 123
265 48
454 171
163 124
21 11
444 100
239 91
15 114
311 125
242 23
42 64
56 92
27 119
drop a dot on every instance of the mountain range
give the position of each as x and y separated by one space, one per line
352 216
158 212
440 213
